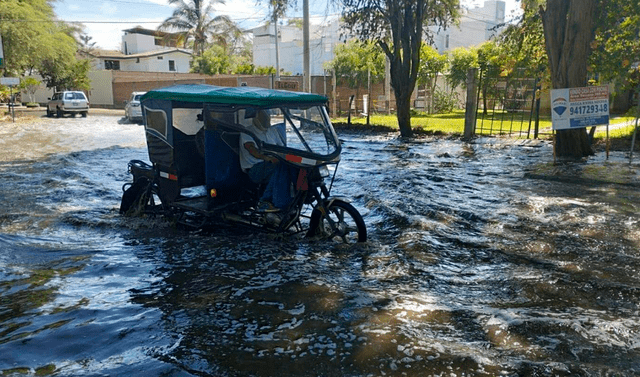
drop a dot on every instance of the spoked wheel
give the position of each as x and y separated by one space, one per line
342 223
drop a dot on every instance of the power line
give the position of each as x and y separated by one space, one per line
81 22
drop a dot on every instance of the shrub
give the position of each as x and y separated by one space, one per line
444 102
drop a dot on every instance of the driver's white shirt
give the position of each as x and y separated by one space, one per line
271 136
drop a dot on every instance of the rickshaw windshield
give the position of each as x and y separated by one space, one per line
308 129
303 128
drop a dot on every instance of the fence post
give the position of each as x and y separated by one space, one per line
334 96
537 124
470 110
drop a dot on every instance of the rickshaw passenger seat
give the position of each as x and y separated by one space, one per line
188 161
232 139
222 164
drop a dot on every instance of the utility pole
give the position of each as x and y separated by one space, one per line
275 26
306 85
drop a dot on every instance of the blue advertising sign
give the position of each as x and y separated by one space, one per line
579 107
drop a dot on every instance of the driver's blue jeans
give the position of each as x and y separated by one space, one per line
279 178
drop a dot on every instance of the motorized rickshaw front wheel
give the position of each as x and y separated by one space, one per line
342 223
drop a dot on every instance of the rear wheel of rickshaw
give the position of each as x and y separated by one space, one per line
139 198
342 223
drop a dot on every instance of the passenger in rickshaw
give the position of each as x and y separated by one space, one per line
262 168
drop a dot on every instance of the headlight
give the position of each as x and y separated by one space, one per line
324 171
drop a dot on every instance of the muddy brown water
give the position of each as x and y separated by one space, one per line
473 267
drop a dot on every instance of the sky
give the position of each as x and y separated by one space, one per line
105 20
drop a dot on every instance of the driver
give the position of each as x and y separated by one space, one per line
262 168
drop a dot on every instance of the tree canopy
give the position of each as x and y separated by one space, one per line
616 44
213 61
28 44
398 27
193 19
432 64
354 61
35 42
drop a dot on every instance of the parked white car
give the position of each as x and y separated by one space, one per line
68 102
132 109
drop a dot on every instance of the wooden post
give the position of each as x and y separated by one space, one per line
334 111
368 97
470 111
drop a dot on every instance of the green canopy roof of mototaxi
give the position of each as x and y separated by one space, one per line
242 95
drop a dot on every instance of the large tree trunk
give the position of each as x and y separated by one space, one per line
403 104
568 31
404 56
403 88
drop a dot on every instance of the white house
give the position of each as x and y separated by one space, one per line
166 60
322 40
145 50
477 25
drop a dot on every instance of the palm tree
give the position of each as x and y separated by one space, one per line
193 19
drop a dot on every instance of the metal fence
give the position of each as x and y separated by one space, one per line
508 105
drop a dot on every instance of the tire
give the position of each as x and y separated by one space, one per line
59 113
350 227
49 113
137 197
84 114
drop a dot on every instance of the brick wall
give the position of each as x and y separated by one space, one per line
124 83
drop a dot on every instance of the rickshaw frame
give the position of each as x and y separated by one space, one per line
192 134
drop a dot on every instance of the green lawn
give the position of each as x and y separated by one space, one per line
453 123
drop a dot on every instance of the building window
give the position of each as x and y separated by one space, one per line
112 64
137 60
172 65
160 57
446 42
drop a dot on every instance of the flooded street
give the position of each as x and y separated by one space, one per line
473 267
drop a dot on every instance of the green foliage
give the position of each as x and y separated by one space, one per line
444 102
355 60
193 19
4 93
30 85
27 44
523 43
211 62
616 46
245 69
491 59
398 27
45 47
615 49
265 71
432 63
297 22
63 75
461 59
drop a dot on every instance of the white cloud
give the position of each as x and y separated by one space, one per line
108 9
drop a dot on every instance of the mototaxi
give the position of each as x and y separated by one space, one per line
193 139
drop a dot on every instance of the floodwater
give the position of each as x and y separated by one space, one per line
472 268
